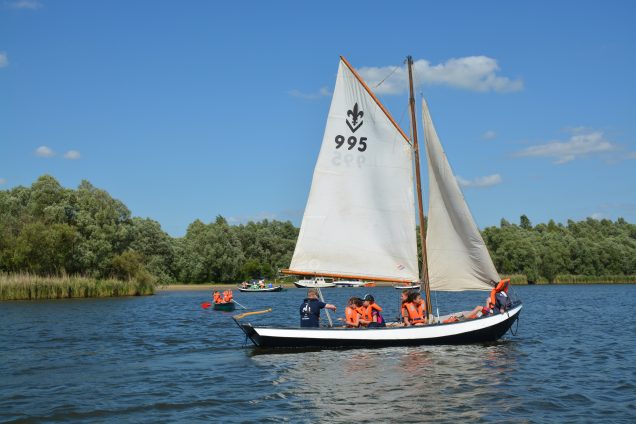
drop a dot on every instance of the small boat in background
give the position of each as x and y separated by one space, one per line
349 283
255 289
407 286
225 307
314 283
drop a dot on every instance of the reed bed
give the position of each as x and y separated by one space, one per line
32 287
520 279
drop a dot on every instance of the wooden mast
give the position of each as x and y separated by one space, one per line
420 203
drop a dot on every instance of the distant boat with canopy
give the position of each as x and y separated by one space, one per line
359 224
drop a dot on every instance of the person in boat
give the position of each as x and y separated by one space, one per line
310 309
415 309
227 296
371 316
499 300
352 312
261 284
244 284
403 299
480 310
216 295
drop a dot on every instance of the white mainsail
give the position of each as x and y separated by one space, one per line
456 253
360 216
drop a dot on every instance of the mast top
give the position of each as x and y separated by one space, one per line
377 101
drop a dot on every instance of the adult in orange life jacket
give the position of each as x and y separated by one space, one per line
370 311
227 296
415 310
499 301
352 312
216 296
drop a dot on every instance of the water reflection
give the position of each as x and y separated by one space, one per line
444 383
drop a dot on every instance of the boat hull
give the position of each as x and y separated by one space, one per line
349 283
265 290
225 307
479 330
310 285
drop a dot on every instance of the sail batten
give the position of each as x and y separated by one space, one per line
458 258
360 218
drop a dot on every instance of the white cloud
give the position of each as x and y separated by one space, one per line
487 181
474 73
583 142
44 152
4 61
24 4
597 215
3 181
489 135
323 92
72 155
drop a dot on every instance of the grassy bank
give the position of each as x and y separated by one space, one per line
31 287
520 279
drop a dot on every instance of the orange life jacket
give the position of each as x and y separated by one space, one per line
352 316
217 298
415 312
367 311
227 296
502 286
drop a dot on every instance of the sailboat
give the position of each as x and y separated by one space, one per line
360 224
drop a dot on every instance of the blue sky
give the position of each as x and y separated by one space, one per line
186 110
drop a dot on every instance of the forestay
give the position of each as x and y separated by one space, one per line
457 255
360 215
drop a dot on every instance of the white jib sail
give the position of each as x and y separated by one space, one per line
456 253
360 215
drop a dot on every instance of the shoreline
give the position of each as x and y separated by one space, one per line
223 286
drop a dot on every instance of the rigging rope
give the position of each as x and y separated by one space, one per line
385 78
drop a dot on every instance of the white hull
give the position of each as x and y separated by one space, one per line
471 331
347 283
407 286
314 284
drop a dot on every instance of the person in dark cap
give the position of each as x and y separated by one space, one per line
310 309
371 316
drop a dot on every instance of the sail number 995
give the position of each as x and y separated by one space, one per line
351 142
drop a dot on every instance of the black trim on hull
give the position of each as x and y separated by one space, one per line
488 334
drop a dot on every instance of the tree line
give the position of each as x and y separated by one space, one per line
47 229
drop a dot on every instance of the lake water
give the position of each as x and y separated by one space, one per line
165 359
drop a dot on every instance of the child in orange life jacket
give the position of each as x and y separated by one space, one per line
216 296
403 312
371 316
415 310
227 296
352 313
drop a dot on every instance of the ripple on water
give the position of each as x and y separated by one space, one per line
165 359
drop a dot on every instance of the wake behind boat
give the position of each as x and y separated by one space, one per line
360 224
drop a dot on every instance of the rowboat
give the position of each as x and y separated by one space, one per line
225 307
257 289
